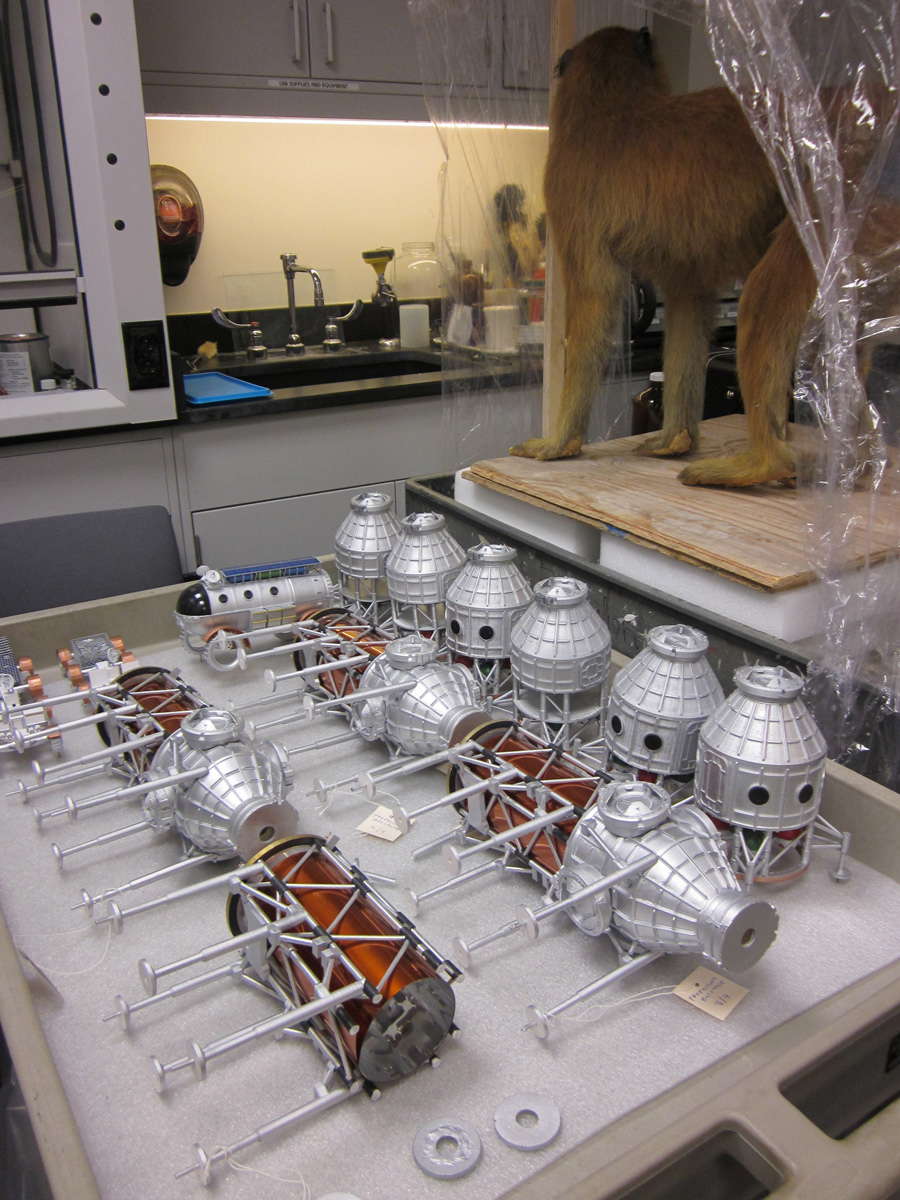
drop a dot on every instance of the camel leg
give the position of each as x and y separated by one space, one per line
774 305
689 324
593 315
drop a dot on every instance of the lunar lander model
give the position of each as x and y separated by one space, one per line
483 603
659 701
760 771
361 547
419 570
560 653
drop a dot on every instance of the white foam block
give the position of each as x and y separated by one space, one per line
789 615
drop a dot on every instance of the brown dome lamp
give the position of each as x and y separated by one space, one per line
179 221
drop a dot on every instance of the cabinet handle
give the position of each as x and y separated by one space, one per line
298 47
329 36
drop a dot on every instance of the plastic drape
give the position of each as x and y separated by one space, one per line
820 85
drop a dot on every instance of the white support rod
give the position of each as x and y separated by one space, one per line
540 1021
193 889
453 858
530 918
402 817
245 656
57 773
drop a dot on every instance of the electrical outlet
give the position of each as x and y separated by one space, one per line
145 354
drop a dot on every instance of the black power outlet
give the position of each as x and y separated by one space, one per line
145 354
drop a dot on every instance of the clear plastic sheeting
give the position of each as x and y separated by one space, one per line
491 110
820 84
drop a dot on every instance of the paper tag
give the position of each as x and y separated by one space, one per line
711 992
380 823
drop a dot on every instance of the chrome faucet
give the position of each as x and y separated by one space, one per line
289 264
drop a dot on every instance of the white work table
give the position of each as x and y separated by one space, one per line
608 1069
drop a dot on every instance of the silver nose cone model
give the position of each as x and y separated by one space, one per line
760 771
658 702
687 901
419 569
431 698
484 601
238 805
560 653
361 546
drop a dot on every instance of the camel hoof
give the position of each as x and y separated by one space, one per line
662 447
545 448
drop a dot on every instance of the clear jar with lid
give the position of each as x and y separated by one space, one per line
417 273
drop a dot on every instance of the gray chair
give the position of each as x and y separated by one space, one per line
52 561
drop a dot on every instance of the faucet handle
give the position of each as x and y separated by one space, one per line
333 339
257 348
220 319
351 313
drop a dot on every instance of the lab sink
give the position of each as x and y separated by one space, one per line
317 367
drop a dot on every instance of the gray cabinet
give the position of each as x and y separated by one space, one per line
223 37
322 58
279 486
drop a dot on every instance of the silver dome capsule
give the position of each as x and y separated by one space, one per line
484 601
686 902
560 653
419 569
238 806
361 546
761 757
421 719
658 702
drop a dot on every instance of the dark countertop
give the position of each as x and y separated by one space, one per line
360 374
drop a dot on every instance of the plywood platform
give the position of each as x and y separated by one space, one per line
755 535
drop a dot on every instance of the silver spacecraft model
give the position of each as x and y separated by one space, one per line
659 700
247 600
419 569
348 973
420 701
483 603
760 771
560 652
361 546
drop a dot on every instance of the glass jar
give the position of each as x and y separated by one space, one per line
417 273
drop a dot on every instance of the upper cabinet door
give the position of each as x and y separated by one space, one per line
526 48
370 40
224 37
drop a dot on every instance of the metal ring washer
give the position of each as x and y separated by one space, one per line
527 1137
446 1165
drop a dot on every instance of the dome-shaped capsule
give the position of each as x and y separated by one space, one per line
366 536
420 718
687 901
419 569
238 805
761 757
484 601
560 653
658 702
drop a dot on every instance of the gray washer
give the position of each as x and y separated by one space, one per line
447 1163
527 1137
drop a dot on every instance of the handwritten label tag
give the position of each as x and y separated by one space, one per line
380 823
711 992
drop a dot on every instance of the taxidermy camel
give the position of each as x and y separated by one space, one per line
675 189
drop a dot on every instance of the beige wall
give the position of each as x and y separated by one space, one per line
326 193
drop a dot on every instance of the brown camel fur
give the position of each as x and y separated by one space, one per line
675 189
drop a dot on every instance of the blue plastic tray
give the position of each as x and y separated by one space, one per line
212 387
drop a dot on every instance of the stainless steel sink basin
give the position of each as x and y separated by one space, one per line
317 367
